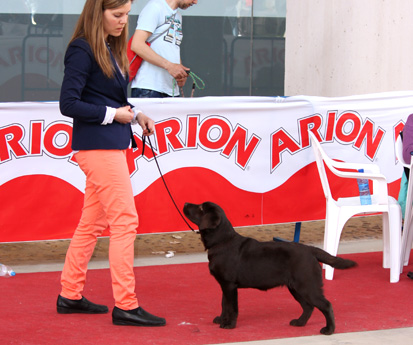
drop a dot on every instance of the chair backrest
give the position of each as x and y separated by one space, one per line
399 151
320 156
349 170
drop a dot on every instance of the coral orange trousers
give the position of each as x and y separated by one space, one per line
109 203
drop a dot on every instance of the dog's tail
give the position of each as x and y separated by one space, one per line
334 261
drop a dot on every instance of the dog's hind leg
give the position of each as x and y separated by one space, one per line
229 314
307 309
310 300
325 307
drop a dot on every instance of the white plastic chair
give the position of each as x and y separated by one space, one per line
407 238
339 211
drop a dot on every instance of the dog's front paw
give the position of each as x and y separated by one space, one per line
327 330
297 323
217 320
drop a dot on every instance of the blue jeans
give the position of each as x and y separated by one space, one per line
145 93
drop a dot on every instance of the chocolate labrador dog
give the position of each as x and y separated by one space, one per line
242 262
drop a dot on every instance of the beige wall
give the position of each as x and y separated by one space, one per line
348 47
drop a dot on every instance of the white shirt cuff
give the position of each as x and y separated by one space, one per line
135 117
110 115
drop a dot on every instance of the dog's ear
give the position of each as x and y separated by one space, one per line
210 220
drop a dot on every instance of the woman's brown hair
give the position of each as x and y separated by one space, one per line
90 27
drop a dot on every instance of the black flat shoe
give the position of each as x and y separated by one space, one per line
81 306
136 317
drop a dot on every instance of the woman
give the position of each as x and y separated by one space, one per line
94 94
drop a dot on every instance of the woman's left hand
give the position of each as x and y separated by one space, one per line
147 124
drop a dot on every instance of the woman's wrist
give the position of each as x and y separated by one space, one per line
109 116
135 117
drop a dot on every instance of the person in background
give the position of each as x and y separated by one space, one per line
407 156
408 139
160 23
94 94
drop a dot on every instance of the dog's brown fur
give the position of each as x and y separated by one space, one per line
242 262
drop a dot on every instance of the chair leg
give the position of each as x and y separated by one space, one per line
404 252
394 236
407 244
386 240
335 221
330 233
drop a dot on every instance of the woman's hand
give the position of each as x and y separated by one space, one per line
124 114
147 124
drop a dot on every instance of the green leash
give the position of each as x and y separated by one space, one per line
197 82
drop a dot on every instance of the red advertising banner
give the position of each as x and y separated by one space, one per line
251 155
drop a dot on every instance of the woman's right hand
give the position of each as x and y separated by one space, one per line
124 114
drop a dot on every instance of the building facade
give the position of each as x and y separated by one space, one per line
236 47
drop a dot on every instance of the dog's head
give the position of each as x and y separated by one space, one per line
211 220
205 215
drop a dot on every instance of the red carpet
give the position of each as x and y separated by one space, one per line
189 298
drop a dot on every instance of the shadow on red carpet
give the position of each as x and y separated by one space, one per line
189 298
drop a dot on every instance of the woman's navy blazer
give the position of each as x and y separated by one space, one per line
84 95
